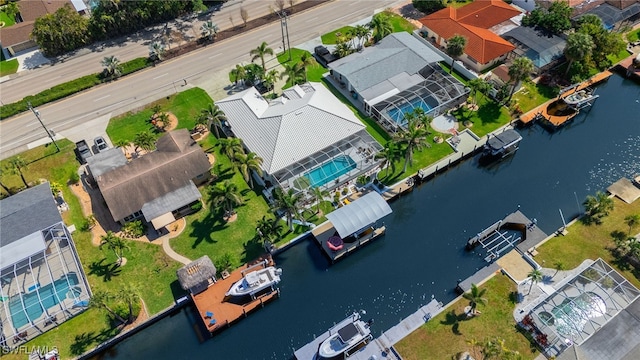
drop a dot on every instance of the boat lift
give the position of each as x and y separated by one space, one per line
498 242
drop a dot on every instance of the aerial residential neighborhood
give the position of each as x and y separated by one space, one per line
320 179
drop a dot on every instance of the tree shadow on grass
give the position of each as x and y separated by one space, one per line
202 229
85 340
106 271
453 319
489 112
252 250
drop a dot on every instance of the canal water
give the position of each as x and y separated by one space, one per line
422 254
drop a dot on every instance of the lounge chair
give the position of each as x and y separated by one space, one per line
208 315
212 322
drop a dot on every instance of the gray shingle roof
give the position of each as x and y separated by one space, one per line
27 212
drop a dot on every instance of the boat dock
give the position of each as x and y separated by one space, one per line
465 144
627 68
217 312
310 350
323 232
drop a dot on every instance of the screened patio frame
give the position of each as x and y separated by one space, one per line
360 147
57 261
445 89
598 278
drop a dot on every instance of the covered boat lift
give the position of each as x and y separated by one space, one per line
352 225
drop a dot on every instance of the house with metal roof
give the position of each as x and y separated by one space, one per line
616 13
157 186
541 48
306 137
41 278
474 21
395 76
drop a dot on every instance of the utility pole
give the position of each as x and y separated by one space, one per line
49 132
284 28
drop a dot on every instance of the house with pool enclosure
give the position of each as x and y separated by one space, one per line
395 76
42 280
306 138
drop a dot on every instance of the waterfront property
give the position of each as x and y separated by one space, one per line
501 144
396 76
157 186
544 50
43 283
306 138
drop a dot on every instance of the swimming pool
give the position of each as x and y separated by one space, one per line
330 170
397 113
571 316
32 304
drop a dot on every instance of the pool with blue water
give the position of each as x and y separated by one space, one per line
330 170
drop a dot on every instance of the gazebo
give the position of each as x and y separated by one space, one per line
197 275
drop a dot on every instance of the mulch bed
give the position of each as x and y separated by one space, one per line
251 24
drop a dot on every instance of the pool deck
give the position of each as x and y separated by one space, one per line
227 311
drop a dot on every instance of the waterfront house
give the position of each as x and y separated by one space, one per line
544 50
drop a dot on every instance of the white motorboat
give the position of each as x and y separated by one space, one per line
345 337
255 281
579 98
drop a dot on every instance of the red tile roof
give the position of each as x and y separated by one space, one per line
472 22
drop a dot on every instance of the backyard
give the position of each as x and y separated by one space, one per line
532 94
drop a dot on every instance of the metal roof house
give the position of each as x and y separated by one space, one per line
542 49
155 186
41 278
395 76
306 137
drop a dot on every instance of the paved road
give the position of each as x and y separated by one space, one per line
197 68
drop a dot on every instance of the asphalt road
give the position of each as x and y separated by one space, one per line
167 78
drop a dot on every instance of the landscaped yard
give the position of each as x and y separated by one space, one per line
4 18
532 95
330 38
314 73
633 35
447 334
399 23
8 67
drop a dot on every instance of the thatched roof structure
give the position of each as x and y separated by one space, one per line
197 275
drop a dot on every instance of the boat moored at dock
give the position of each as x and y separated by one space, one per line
501 145
255 281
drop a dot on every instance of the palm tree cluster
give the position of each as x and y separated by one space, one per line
268 229
381 26
212 117
597 207
129 294
494 348
116 244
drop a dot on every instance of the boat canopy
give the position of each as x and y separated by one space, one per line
359 214
504 139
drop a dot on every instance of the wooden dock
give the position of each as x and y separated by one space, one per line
626 66
324 231
227 311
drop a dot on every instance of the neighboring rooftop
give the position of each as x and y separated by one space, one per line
30 10
541 48
611 15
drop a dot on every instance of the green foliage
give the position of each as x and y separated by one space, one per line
331 37
62 31
8 67
74 178
398 23
556 19
197 206
226 261
381 26
604 42
134 65
634 35
428 6
7 18
597 207
122 310
134 229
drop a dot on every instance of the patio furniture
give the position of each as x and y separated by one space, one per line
208 315
212 322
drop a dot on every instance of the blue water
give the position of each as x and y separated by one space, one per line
571 316
397 113
422 253
34 308
330 170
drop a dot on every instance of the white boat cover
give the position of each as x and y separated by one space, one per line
359 213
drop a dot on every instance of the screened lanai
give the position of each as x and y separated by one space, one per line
436 94
333 165
583 305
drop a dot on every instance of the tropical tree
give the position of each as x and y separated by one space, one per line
100 300
455 48
389 155
605 42
213 118
115 244
230 147
121 143
363 33
414 137
579 46
381 26
238 74
270 80
519 71
307 60
259 53
225 194
478 85
247 163
269 229
11 9
559 266
295 73
144 140
428 6
556 19
475 297
632 221
15 165
319 194
535 276
156 51
112 67
209 29
3 185
254 73
288 202
343 47
62 31
129 294
597 207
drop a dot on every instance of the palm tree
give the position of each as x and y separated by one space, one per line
597 207
270 80
307 60
3 185
115 244
363 33
389 155
129 294
343 48
381 26
15 166
289 202
156 50
260 52
111 66
579 46
519 71
209 29
269 229
631 220
536 276
121 143
414 138
144 140
295 73
230 146
475 297
238 74
319 194
100 300
225 194
213 118
478 85
455 48
559 265
247 163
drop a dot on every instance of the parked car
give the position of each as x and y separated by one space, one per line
83 151
324 55
100 144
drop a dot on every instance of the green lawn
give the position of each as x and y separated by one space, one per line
532 95
186 106
616 58
489 116
399 23
591 242
6 19
8 67
458 3
145 261
445 335
633 35
330 38
421 159
314 73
